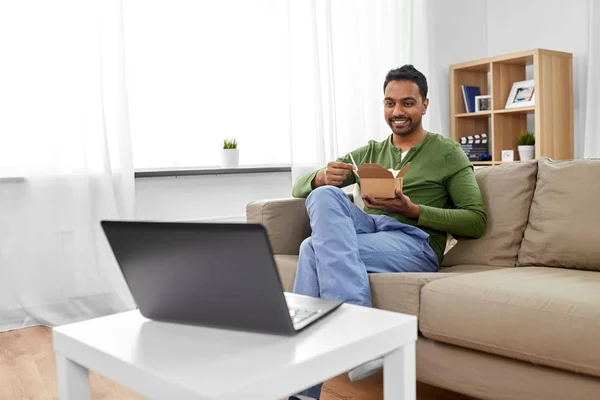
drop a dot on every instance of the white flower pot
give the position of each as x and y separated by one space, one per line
230 158
526 153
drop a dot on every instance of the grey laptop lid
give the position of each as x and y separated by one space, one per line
210 274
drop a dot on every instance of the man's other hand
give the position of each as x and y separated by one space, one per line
399 205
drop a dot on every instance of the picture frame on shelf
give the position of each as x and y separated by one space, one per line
522 94
483 103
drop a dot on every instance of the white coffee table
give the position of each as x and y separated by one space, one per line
171 361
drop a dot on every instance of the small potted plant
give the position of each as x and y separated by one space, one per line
230 156
526 146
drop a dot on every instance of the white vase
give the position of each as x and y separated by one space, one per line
230 158
526 153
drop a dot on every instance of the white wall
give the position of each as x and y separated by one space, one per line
457 33
514 25
207 197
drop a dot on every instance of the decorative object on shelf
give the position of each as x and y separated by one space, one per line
230 156
526 146
469 94
508 155
522 94
483 103
476 147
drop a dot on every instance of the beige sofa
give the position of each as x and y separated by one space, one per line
512 315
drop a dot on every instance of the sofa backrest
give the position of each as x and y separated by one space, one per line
507 194
563 229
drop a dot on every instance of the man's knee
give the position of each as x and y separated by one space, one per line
325 193
306 248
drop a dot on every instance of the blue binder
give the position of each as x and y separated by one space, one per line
469 93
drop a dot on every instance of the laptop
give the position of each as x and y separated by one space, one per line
209 274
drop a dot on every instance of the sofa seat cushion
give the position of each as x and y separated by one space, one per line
287 264
546 316
507 191
564 221
399 292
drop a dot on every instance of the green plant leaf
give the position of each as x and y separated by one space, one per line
230 144
526 139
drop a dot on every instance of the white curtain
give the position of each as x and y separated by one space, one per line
65 160
340 52
591 140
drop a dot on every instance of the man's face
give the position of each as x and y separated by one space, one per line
403 107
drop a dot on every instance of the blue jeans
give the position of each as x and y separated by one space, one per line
347 243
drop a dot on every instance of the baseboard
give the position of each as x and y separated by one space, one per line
68 310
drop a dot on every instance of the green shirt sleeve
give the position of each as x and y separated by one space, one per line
305 183
468 217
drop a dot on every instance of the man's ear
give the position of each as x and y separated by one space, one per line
425 105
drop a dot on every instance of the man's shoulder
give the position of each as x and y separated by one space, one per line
444 143
448 151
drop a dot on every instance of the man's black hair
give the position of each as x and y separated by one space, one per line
407 73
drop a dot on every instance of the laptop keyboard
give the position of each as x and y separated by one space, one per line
298 314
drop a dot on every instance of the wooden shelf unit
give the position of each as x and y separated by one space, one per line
552 113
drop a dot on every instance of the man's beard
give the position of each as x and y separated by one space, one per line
411 128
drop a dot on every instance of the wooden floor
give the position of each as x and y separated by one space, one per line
27 372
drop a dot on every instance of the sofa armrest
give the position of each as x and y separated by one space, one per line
286 222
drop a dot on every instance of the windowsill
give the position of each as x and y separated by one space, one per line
190 171
12 179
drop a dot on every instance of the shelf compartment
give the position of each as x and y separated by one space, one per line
469 78
506 126
503 77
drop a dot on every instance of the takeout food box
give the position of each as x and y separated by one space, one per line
380 182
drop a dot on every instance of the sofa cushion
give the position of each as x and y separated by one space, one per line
545 316
285 220
507 192
564 222
400 292
287 264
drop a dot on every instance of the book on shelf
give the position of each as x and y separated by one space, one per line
469 93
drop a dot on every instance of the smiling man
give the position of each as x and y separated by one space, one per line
404 234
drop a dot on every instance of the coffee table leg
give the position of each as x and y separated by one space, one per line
399 374
73 380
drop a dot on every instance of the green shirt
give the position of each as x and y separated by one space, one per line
440 180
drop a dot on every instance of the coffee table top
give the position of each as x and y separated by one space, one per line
164 360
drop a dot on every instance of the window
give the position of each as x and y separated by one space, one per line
199 72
